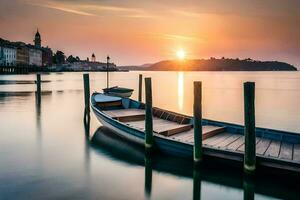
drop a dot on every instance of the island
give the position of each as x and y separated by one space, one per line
214 64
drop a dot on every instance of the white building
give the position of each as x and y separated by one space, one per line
35 57
1 56
8 56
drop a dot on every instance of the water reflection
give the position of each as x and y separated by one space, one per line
180 91
148 176
87 126
38 116
107 143
196 184
248 186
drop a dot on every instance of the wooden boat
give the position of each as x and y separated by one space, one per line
118 91
173 134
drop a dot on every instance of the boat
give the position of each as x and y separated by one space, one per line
118 91
173 134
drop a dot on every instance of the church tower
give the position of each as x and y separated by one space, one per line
37 39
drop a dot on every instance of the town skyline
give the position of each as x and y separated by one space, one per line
135 34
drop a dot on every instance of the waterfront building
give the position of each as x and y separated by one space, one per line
8 55
46 51
22 55
46 56
35 57
1 56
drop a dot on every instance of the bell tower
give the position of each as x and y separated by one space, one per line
37 39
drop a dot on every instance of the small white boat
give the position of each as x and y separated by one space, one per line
118 91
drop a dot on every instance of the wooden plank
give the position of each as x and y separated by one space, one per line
236 144
185 135
168 131
131 118
210 131
228 140
205 130
163 127
191 140
125 112
109 104
286 151
219 139
262 146
296 153
242 147
208 140
274 148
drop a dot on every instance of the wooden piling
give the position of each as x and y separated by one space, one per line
86 84
198 152
140 87
148 175
38 89
148 118
38 84
249 131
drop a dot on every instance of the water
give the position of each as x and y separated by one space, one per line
46 152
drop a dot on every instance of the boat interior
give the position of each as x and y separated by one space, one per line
218 135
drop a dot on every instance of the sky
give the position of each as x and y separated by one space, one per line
135 32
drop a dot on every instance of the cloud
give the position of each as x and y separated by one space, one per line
109 8
65 9
175 37
90 9
187 13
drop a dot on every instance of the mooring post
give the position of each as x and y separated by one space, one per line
249 188
249 131
148 120
196 184
148 175
86 84
38 84
140 87
197 122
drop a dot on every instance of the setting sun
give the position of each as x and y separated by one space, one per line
181 54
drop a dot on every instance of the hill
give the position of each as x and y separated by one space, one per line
213 64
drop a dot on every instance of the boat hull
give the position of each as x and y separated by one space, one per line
183 148
118 94
118 91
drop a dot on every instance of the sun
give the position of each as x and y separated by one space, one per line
180 54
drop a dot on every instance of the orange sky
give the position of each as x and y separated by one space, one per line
138 32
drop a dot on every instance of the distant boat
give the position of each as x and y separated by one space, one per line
116 90
173 134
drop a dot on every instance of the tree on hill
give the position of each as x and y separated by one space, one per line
71 59
59 57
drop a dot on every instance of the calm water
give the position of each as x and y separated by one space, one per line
46 152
